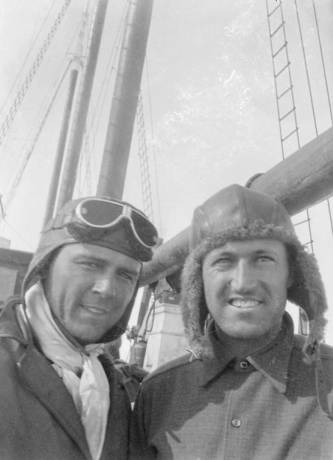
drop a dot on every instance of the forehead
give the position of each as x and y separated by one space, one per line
107 255
248 247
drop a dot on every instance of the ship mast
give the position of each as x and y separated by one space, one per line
79 124
125 99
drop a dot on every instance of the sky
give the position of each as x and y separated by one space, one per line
208 99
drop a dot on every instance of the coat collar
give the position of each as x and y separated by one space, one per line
272 360
40 378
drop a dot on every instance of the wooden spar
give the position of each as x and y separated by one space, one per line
125 98
79 124
302 180
59 157
305 178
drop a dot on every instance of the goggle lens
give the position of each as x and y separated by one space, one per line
145 230
98 213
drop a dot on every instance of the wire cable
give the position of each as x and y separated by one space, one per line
20 95
33 42
322 60
11 193
153 150
306 67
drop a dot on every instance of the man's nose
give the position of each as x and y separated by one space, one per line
243 277
104 286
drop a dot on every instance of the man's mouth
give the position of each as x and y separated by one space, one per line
95 309
244 303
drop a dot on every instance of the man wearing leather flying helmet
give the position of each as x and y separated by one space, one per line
60 396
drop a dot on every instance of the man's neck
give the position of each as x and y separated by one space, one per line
241 348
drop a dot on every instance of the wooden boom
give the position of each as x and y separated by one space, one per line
300 181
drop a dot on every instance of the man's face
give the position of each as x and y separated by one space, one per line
88 288
245 286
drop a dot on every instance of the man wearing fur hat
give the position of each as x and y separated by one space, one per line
60 395
249 388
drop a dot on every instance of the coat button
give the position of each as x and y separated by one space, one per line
236 423
244 364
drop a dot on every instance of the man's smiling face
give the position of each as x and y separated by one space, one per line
89 287
245 286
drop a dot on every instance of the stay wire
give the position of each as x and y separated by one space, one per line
23 89
322 59
309 83
306 66
19 73
152 130
10 195
97 111
95 120
5 221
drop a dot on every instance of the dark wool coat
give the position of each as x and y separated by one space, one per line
38 418
263 407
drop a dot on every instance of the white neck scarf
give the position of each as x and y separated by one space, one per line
90 392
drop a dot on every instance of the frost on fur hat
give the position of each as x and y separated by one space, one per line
238 213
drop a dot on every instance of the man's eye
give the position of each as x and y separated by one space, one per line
89 265
265 259
126 276
223 261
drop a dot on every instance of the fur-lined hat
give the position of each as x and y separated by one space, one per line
238 213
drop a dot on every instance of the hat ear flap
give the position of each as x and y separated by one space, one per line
307 291
290 279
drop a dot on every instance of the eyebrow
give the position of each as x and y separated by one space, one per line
266 251
228 252
88 257
130 271
101 260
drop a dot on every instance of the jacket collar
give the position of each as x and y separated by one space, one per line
272 360
43 382
11 324
38 375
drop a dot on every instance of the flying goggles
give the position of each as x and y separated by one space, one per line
103 213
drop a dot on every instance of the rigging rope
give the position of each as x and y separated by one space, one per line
306 67
4 128
101 99
309 81
281 53
12 190
34 40
322 59
153 150
327 91
144 163
110 69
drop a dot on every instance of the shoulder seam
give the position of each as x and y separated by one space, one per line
169 367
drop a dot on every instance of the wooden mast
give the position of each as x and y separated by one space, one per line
125 98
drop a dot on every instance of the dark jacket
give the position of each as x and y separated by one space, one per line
38 418
264 407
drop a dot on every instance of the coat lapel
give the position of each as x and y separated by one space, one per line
47 386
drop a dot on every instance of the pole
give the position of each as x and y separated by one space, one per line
125 98
52 195
76 137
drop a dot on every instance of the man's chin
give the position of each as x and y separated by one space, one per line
244 332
